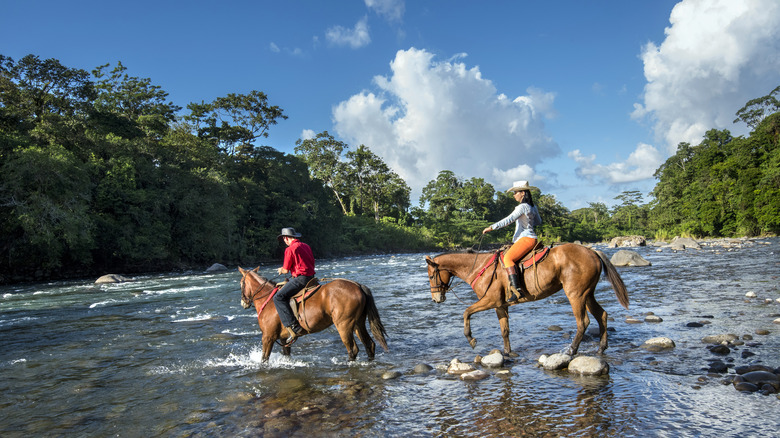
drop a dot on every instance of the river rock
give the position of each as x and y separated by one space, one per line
719 339
680 243
751 295
744 369
216 267
720 349
588 366
745 387
458 367
760 379
557 361
493 360
658 343
718 366
422 369
653 318
111 278
389 375
626 257
624 241
475 375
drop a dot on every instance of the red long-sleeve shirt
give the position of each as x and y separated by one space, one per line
298 259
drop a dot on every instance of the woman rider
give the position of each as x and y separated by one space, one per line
525 216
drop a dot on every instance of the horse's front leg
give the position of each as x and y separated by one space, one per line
479 306
503 321
268 344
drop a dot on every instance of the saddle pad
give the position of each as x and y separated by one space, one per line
536 258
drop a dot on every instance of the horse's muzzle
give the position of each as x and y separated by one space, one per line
438 297
245 304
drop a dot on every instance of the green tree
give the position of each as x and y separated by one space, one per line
135 100
441 196
475 199
235 121
757 109
628 207
323 155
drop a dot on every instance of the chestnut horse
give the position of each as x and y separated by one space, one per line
343 303
574 268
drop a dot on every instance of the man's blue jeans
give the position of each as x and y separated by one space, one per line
283 295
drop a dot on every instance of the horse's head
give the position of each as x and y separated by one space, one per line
439 279
251 285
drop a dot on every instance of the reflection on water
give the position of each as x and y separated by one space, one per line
177 356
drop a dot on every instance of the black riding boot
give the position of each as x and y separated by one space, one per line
514 284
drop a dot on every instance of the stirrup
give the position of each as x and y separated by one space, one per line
292 335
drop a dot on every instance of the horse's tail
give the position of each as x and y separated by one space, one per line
377 328
614 279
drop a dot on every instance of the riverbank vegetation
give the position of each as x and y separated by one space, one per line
100 172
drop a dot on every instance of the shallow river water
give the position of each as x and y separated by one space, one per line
176 355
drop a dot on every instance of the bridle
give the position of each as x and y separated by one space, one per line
440 285
253 293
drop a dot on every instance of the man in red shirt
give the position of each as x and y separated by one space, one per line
298 261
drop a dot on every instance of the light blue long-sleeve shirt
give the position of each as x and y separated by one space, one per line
525 218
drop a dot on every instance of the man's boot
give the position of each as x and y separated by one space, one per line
294 330
514 284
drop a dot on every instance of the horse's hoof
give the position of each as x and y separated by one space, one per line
473 343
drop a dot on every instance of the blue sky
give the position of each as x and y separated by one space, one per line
584 99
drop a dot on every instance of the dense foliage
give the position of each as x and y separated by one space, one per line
99 173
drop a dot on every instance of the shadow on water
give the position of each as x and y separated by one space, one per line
177 356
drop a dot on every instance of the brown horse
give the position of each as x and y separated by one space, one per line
343 303
574 268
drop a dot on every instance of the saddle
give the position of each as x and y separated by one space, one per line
537 254
304 294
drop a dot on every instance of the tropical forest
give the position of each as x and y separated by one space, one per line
100 172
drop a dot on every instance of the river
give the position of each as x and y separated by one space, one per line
175 356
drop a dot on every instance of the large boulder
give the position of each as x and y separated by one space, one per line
216 267
624 241
626 257
681 243
111 278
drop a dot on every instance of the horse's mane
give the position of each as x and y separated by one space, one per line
464 251
259 278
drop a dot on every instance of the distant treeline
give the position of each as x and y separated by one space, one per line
100 173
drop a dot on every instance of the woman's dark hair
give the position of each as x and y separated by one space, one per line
528 199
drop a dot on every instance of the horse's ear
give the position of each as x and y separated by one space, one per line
430 261
257 269
242 270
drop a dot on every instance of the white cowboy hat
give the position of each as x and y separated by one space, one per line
519 186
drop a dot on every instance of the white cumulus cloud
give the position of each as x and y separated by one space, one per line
355 38
640 165
428 116
717 55
392 10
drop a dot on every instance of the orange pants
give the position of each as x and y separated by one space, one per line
518 250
